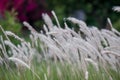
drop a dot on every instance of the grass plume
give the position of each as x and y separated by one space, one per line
63 54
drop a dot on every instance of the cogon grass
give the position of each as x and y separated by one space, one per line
66 54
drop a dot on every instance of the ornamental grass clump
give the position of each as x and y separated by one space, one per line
62 54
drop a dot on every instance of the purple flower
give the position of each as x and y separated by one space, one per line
28 10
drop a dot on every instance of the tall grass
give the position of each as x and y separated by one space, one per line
61 53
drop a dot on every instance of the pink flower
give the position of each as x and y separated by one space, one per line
18 3
28 10
3 6
31 7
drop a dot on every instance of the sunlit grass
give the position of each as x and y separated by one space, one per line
56 71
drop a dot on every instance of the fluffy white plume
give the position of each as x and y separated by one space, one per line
116 8
65 45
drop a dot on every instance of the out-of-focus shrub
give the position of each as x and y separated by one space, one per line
117 25
27 10
10 22
96 11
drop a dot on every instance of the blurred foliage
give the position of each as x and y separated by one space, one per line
96 11
10 22
116 25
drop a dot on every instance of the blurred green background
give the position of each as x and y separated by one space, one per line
93 12
96 11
